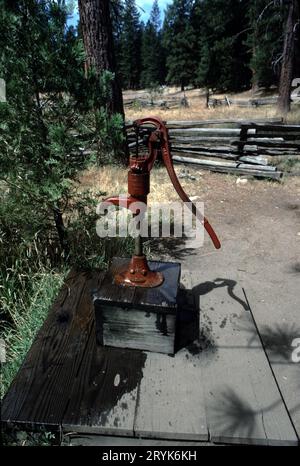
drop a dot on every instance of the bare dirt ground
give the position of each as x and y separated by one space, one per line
259 227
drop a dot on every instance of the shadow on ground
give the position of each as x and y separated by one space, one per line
207 287
277 339
295 268
188 332
232 415
172 246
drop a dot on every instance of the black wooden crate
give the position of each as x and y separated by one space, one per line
135 317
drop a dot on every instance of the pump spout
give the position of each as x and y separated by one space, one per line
127 202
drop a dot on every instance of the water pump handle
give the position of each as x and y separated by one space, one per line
160 138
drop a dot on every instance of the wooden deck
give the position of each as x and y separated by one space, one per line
218 390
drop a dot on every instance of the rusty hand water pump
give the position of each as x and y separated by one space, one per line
138 272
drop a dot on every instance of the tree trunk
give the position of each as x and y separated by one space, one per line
255 86
97 35
207 97
297 44
288 61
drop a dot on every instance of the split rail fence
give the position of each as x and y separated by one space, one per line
239 147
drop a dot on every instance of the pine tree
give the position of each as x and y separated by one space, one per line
223 58
48 99
130 46
179 41
264 41
97 32
152 51
297 47
117 13
288 56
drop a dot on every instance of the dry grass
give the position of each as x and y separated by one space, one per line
112 180
207 186
198 111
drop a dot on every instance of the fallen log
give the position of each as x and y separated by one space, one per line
208 149
265 142
251 150
279 153
274 127
287 135
222 155
212 163
202 139
208 131
275 175
252 159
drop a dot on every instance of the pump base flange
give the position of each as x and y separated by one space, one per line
138 274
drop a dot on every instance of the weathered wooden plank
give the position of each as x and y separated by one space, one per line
209 148
268 142
255 159
222 151
133 144
276 175
197 140
199 154
223 164
274 127
171 404
135 329
243 403
207 131
105 440
279 153
39 394
173 124
104 394
196 123
277 336
286 135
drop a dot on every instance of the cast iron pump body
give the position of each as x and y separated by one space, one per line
138 272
